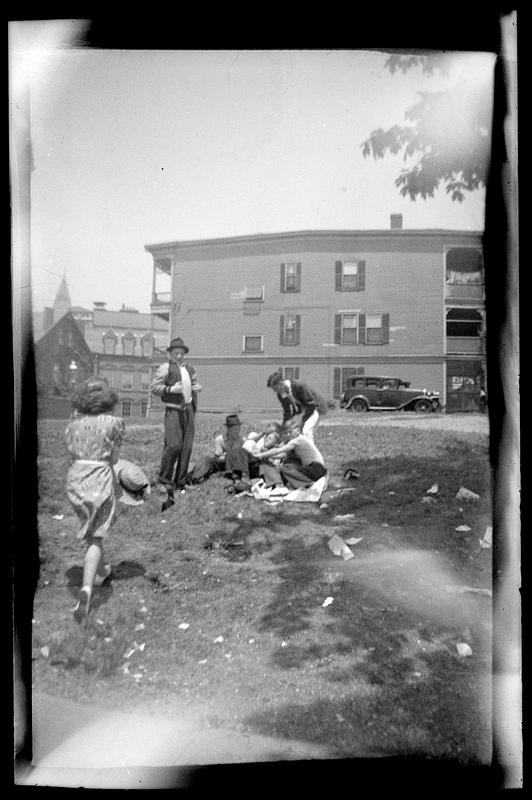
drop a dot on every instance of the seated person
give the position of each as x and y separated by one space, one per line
254 444
303 463
229 455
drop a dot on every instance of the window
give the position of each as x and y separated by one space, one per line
253 344
350 276
144 408
146 345
374 329
291 276
464 322
127 380
70 339
289 373
290 329
341 376
350 328
464 265
128 344
126 408
144 380
346 329
109 343
60 336
253 299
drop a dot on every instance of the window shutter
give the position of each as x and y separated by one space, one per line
296 373
298 276
361 276
281 329
283 270
362 329
338 276
385 328
280 371
298 328
337 391
338 329
360 370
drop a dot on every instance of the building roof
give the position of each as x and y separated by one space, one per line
308 234
62 302
101 318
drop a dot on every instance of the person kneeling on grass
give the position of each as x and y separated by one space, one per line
303 463
93 438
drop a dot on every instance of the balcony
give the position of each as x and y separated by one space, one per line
161 303
465 345
468 292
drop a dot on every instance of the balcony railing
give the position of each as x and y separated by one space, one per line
465 345
464 291
161 298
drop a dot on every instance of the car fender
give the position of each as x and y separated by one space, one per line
414 400
357 397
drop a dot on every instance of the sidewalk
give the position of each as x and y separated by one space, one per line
76 745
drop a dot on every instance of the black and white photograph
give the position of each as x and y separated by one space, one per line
266 419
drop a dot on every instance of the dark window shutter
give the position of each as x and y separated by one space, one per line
360 370
296 373
283 270
298 277
385 328
361 276
281 329
298 328
362 329
280 371
337 391
338 276
338 329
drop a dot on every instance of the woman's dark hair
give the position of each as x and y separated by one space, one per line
274 379
94 396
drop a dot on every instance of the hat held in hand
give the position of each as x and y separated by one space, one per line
134 483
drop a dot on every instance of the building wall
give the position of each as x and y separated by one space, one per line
404 277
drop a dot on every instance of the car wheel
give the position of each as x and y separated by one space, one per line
358 405
423 406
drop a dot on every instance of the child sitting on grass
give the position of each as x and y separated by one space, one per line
93 437
303 463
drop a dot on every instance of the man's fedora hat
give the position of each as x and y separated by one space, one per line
177 343
231 420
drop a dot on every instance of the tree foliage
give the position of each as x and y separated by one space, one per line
446 138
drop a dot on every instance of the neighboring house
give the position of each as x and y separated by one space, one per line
324 305
62 357
127 345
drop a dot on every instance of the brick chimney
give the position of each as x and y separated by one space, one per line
396 222
99 305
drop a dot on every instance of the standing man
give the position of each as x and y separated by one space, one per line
298 398
177 385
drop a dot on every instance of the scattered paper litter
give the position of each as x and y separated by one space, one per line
140 626
129 653
219 639
391 492
45 651
58 516
284 644
464 649
427 499
344 516
354 540
467 495
327 602
463 528
339 547
434 489
488 534
239 515
184 625
340 718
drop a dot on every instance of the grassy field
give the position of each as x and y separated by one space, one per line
215 610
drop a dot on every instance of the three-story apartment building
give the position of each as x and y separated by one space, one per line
324 305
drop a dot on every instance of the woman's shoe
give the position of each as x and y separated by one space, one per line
100 579
81 611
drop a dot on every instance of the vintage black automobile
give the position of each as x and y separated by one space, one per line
364 393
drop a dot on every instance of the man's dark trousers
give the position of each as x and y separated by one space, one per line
178 441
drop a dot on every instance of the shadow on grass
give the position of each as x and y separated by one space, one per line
102 594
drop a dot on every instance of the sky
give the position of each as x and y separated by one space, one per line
134 147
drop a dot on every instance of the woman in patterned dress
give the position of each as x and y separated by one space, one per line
93 437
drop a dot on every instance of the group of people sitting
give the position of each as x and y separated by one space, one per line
281 455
